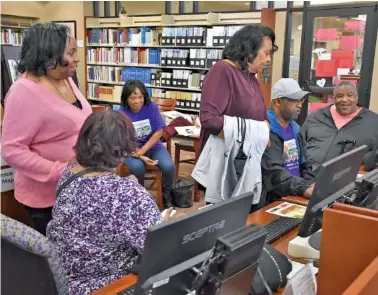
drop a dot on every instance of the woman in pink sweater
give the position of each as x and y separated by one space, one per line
44 111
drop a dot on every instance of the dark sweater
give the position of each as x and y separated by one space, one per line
322 139
228 91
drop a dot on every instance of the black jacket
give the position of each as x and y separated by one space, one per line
277 181
322 139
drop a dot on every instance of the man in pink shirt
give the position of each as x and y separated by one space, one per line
341 127
44 111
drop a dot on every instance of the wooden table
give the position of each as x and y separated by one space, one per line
259 217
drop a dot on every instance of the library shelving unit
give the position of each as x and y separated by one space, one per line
169 53
13 28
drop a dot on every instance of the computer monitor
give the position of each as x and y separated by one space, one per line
182 243
332 177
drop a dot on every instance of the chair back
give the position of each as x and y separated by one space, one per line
97 108
165 104
26 243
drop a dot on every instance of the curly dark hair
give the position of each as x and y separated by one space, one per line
105 138
245 44
43 47
129 88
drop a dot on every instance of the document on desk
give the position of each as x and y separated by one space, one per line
188 130
303 282
286 209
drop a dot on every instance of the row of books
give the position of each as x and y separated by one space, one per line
170 36
178 78
110 74
124 55
113 93
117 74
109 93
132 36
9 36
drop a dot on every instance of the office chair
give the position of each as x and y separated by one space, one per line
27 263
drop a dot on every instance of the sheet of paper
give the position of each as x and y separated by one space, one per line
342 71
288 210
80 43
325 56
325 68
343 58
326 34
354 26
303 282
188 130
350 42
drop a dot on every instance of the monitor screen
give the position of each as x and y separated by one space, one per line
178 240
332 177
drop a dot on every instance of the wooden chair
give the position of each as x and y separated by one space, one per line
123 171
183 147
97 108
165 104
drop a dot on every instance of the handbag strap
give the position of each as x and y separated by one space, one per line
79 174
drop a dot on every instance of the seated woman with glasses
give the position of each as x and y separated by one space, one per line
100 220
149 125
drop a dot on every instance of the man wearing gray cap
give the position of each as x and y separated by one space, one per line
284 168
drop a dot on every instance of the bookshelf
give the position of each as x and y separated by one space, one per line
13 28
170 54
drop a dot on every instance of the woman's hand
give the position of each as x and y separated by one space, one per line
148 161
168 213
138 153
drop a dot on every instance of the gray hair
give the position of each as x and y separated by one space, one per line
346 83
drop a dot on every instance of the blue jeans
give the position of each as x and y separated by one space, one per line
165 164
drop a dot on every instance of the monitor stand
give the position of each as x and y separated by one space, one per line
300 247
315 240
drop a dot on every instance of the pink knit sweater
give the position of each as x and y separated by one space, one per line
39 132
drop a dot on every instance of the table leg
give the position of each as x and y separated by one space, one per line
197 192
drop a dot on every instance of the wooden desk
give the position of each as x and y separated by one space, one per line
259 217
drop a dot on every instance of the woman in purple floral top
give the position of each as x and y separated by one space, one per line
100 220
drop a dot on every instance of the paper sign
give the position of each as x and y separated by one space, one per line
342 71
326 34
7 179
325 68
337 81
80 43
354 26
303 282
343 58
350 42
325 56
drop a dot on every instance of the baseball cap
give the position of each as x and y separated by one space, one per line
287 87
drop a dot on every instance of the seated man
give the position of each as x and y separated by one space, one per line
284 169
341 127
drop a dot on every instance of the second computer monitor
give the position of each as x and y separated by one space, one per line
332 177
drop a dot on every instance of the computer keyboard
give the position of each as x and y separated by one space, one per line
280 227
128 291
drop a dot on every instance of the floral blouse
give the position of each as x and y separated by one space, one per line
99 227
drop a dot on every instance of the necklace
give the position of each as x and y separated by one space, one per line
66 97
